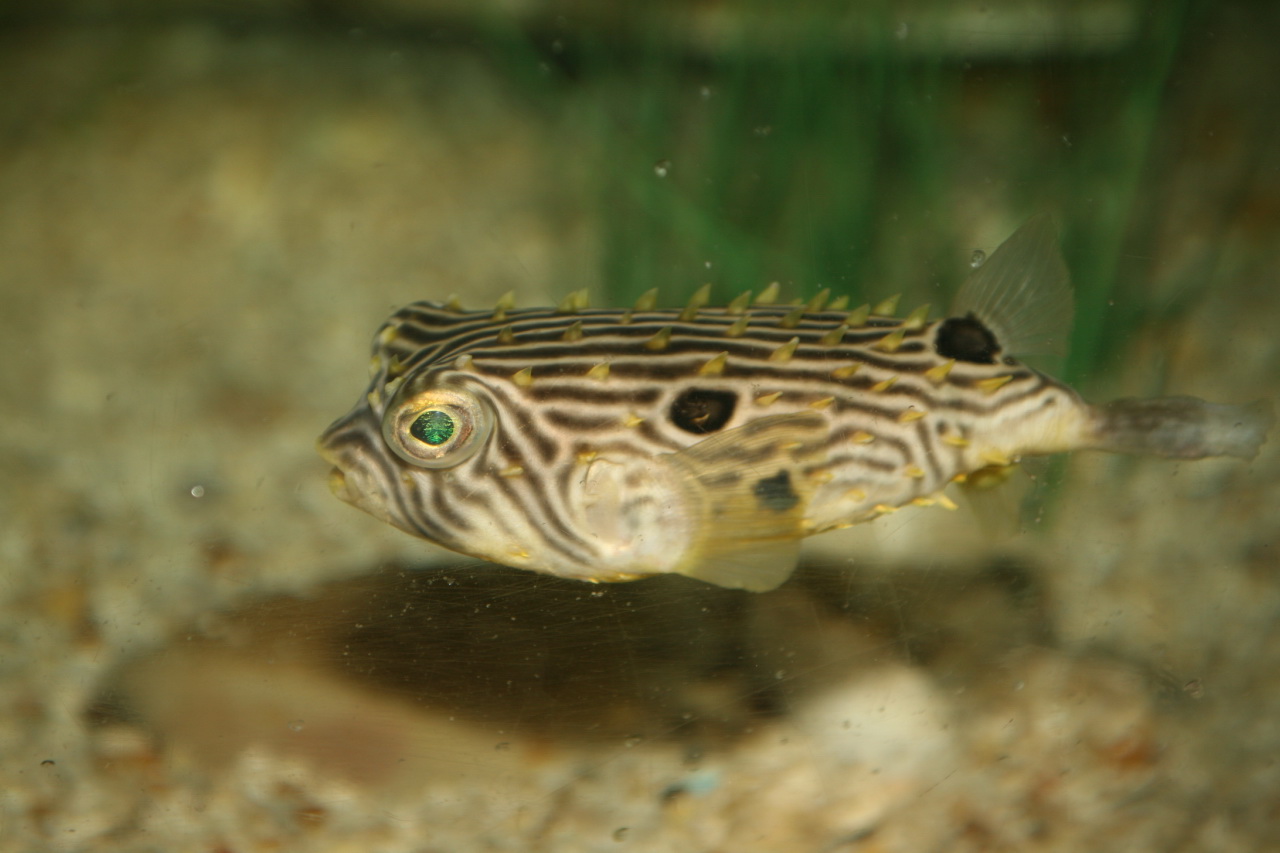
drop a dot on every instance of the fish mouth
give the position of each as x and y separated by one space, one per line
338 485
337 477
352 447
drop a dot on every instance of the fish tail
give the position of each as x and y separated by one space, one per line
1182 427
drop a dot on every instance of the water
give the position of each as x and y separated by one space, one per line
206 218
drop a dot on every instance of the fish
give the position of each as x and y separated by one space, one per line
615 444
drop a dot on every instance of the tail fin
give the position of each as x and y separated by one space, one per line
1182 427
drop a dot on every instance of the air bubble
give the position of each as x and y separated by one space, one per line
978 258
661 168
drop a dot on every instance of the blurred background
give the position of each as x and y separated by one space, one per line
207 208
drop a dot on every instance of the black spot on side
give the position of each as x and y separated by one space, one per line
775 492
966 339
703 410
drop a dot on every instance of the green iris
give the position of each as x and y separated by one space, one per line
433 427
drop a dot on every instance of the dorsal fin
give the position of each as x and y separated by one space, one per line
1022 294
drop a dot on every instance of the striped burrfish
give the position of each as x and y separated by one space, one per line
608 444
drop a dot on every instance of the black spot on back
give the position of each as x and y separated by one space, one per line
966 339
775 492
703 410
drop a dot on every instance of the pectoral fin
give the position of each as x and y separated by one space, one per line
749 487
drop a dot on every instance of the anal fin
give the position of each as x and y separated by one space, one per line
995 495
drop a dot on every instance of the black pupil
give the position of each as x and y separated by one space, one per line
966 339
432 427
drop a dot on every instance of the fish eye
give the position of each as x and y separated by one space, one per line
436 428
